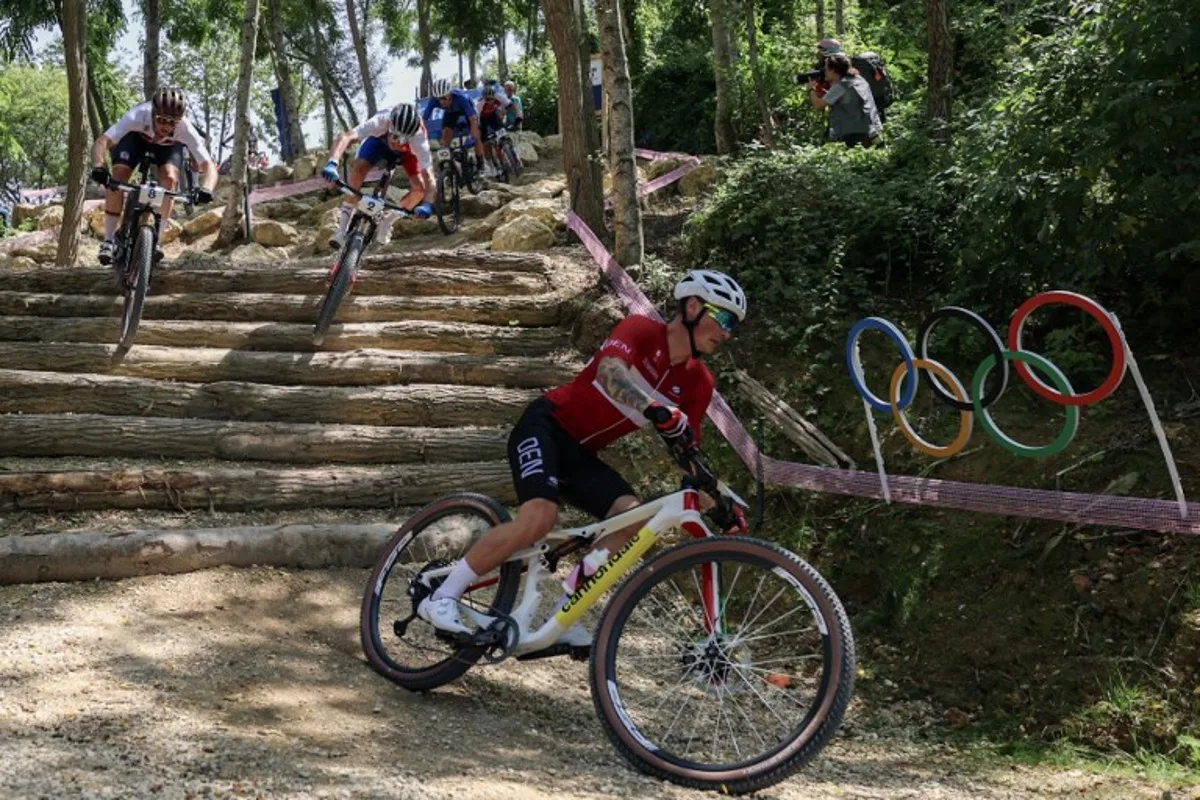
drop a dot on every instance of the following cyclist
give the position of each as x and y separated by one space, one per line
514 118
645 371
157 127
457 107
491 105
387 138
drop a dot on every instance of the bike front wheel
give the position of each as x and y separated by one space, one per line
344 274
723 664
449 213
512 162
402 647
135 283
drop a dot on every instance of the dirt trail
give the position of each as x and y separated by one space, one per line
250 683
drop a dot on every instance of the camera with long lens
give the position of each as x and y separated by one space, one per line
803 78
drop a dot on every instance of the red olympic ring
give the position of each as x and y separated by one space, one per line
1094 310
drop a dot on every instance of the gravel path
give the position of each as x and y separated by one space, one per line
250 684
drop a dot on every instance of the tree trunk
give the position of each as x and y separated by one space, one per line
575 114
627 216
257 487
425 41
502 55
283 74
53 435
152 10
31 392
723 69
98 101
361 368
108 556
461 76
839 23
760 91
820 19
360 49
74 24
472 57
94 123
941 65
241 130
327 98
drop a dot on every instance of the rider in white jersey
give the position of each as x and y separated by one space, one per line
160 127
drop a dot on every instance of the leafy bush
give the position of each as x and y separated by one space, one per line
537 86
674 103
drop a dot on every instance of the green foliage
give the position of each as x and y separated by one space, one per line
685 122
33 125
537 86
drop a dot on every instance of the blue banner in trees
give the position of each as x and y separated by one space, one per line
282 125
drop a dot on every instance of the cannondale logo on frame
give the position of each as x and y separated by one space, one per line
949 389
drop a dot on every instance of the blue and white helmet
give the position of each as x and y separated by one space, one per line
713 287
441 87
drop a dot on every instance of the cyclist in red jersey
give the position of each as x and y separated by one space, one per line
646 372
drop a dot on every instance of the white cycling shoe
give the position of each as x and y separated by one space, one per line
443 615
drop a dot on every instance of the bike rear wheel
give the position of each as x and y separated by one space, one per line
735 705
410 655
135 282
343 278
448 202
512 162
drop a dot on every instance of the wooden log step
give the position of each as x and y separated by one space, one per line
356 368
520 310
429 405
421 281
90 555
232 488
305 443
458 337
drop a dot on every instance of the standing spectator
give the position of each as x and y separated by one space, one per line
853 119
514 116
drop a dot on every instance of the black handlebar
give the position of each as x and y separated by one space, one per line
113 183
349 190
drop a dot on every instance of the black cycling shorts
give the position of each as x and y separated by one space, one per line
547 463
133 146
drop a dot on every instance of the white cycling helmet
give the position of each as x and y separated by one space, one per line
405 121
441 87
713 287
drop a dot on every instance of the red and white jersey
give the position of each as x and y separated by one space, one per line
594 419
380 126
140 118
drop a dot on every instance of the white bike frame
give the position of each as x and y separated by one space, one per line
679 509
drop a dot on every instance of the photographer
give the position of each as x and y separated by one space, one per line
853 118
825 49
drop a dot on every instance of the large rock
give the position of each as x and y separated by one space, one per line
304 168
699 181
206 223
546 187
408 228
52 217
16 262
553 141
277 173
282 210
254 252
656 169
95 221
272 233
548 211
532 138
26 211
171 232
40 253
482 204
526 152
523 234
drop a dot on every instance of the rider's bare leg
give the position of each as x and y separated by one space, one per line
112 201
168 177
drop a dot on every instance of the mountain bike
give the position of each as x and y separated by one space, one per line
470 173
721 663
136 245
360 233
447 202
506 156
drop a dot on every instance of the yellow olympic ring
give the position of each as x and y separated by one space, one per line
966 419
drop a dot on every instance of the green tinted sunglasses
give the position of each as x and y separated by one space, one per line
723 317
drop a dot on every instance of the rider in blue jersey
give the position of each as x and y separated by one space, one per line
456 107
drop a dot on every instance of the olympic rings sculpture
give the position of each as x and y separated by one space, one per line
972 404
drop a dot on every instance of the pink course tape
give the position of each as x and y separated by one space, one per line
1070 507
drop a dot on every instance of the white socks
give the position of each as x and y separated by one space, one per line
461 576
111 221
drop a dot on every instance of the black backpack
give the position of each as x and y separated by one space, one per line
874 71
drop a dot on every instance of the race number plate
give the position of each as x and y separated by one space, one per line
371 206
150 195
